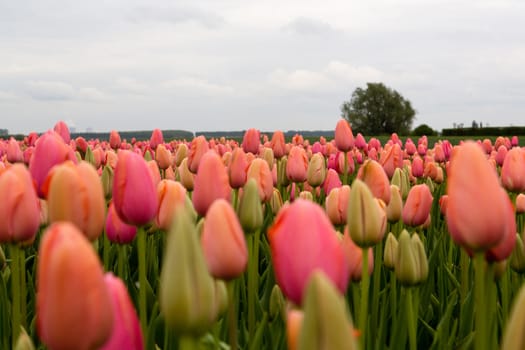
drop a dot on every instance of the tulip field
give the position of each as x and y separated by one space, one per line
264 243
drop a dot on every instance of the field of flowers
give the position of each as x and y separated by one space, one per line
261 244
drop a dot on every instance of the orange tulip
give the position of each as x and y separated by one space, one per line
374 176
344 139
294 322
297 165
337 204
278 144
75 194
73 306
134 192
520 203
417 167
477 213
199 146
211 182
19 207
302 240
171 194
417 206
163 157
391 159
223 242
513 170
260 172
14 153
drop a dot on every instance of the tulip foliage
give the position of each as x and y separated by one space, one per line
261 243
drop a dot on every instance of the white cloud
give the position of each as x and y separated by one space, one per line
91 94
6 95
334 76
309 26
197 86
50 90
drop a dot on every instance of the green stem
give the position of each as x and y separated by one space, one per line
23 287
106 252
253 275
141 246
122 260
412 320
345 169
188 343
393 297
363 314
15 289
480 341
232 315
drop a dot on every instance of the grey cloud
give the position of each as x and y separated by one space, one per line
50 90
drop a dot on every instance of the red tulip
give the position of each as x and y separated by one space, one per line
223 242
114 139
19 207
417 206
302 239
126 332
211 182
73 306
117 230
477 214
156 138
251 141
134 193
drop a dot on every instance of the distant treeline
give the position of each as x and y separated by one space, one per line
287 134
138 135
485 131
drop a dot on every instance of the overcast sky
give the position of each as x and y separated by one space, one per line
237 64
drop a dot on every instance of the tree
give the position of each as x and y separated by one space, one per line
378 110
424 129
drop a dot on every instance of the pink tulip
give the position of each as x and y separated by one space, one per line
477 213
199 146
117 230
337 204
237 168
297 165
126 333
62 129
331 181
417 206
156 138
14 153
391 159
344 139
134 193
302 240
50 150
278 144
513 170
114 139
211 182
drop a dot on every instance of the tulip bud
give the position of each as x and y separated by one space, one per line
278 144
354 256
181 153
326 324
126 332
187 178
411 262
73 305
344 138
262 174
520 203
171 196
337 205
251 141
517 258
282 179
223 242
296 165
306 196
417 206
107 181
187 291
89 157
365 219
250 208
395 207
114 139
331 181
163 157
199 146
514 337
237 168
117 230
24 342
211 182
277 303
294 322
276 202
316 172
374 176
390 253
